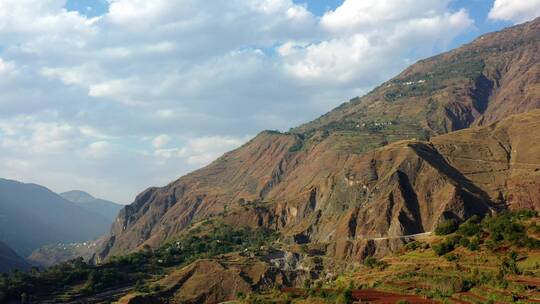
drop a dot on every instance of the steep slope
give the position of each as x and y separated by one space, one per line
32 216
107 209
244 174
495 76
329 181
10 260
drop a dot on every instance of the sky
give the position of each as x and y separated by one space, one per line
114 96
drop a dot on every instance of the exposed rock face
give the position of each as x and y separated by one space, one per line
361 173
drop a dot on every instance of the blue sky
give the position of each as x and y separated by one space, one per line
89 8
478 10
128 94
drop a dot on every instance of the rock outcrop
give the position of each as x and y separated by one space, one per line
376 167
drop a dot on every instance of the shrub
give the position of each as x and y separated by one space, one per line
471 227
454 239
443 248
412 246
345 297
451 257
446 227
507 227
509 265
485 277
467 285
240 295
474 244
525 214
372 262
464 242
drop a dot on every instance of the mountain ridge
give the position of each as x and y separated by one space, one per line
361 170
489 83
106 208
31 216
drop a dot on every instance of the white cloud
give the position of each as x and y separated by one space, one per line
517 11
161 141
84 99
368 33
99 149
199 151
75 75
7 68
353 16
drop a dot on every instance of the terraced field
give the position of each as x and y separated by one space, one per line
500 271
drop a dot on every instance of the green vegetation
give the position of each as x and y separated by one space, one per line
372 262
444 247
494 231
132 269
446 227
477 255
475 261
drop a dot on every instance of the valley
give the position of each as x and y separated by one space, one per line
425 190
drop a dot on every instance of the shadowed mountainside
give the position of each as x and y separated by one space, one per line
10 260
32 216
106 208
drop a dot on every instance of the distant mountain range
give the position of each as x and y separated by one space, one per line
32 216
448 141
107 209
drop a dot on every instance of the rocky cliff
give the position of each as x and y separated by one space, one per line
377 166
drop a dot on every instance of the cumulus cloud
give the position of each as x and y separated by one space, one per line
6 68
198 151
369 14
366 33
161 141
99 149
517 11
152 89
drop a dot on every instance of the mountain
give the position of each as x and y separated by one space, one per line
10 260
107 209
32 216
422 191
54 254
374 167
477 84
